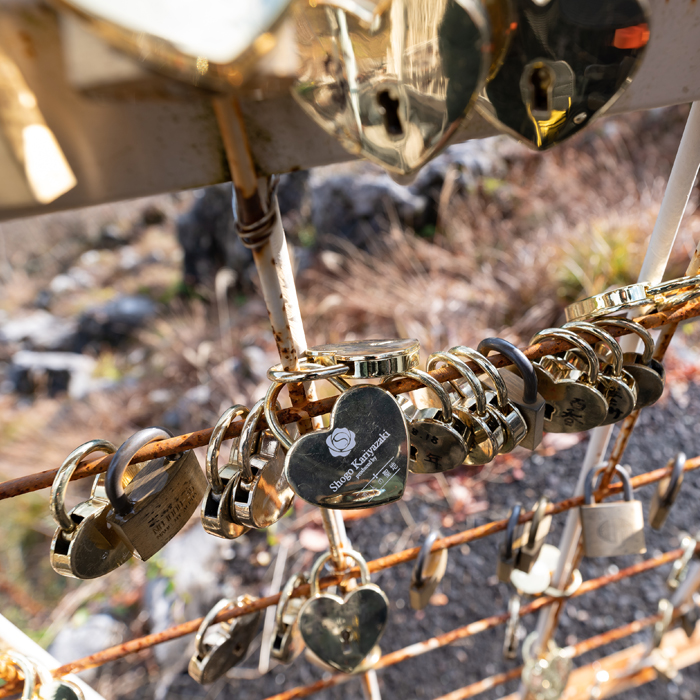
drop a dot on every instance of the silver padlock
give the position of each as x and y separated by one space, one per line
612 528
226 647
666 493
522 389
427 572
537 534
286 642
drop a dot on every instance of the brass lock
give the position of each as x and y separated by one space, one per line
536 536
286 642
158 501
667 491
217 518
522 390
649 374
427 573
612 529
83 545
220 650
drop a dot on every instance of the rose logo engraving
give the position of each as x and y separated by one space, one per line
340 442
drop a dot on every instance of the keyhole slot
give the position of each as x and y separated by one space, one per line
542 83
389 109
548 411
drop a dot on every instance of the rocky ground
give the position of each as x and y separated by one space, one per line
149 312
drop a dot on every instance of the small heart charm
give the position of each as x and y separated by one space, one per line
360 461
393 85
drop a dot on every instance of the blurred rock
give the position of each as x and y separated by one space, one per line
255 362
59 372
39 330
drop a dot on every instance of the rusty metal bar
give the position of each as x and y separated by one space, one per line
188 441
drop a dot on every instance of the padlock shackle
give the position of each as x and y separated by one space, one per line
115 472
510 530
605 337
273 423
519 359
246 441
206 624
588 484
214 446
578 342
320 562
635 328
676 475
307 372
537 518
28 669
488 368
423 559
463 368
293 582
434 385
63 475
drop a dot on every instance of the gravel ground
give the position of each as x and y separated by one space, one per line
473 591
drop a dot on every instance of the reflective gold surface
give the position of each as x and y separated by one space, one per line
394 89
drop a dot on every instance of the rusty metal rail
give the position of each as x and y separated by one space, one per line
180 443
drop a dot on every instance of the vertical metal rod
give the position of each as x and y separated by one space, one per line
680 184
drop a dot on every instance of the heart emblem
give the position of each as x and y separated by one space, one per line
393 85
342 632
360 461
566 63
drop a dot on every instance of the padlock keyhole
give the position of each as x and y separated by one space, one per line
414 452
548 411
541 79
389 109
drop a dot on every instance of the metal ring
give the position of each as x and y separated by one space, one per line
214 446
319 563
510 530
273 423
606 338
676 475
294 582
63 475
28 671
307 372
519 359
576 581
487 368
245 445
207 622
638 330
423 558
257 234
467 373
115 472
537 518
576 341
670 286
437 388
628 297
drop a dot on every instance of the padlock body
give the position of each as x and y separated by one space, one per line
529 553
533 413
612 529
435 446
287 643
433 573
650 378
216 514
164 494
92 549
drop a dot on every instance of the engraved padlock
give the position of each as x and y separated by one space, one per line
217 518
472 407
427 573
217 651
666 492
649 374
514 425
439 439
536 536
573 401
618 387
522 389
83 545
342 632
509 549
286 642
612 528
158 501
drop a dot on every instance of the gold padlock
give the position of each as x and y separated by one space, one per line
427 573
615 528
159 500
537 534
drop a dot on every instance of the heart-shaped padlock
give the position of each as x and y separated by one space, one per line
439 440
514 425
649 374
262 494
343 631
574 403
360 461
615 384
473 408
217 518
84 546
566 63
157 503
392 84
219 650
